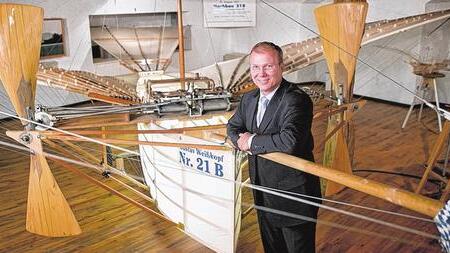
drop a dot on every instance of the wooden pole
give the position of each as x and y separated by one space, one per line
181 44
150 143
412 201
418 203
183 130
435 153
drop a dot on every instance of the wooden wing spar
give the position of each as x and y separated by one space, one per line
48 212
102 88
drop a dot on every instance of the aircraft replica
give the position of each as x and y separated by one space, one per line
166 115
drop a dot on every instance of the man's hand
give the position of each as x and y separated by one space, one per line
243 141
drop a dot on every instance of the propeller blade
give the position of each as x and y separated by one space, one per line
341 27
20 43
341 162
48 212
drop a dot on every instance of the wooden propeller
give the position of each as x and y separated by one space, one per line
341 26
20 42
48 212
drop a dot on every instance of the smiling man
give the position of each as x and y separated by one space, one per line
277 117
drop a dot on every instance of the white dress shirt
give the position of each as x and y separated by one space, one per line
269 97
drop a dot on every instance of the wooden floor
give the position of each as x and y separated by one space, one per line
110 224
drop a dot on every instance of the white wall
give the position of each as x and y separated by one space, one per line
76 15
438 49
394 77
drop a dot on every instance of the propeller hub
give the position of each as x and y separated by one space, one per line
46 120
25 138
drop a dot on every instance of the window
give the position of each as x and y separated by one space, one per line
138 36
52 44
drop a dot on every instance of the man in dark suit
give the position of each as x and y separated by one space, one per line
277 118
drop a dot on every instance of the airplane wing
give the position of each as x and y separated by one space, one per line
102 88
302 54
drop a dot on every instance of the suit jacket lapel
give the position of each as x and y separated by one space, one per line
251 112
272 108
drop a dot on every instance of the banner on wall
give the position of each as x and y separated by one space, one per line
229 13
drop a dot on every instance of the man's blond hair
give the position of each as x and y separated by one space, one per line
266 45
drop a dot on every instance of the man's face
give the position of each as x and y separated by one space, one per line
265 69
